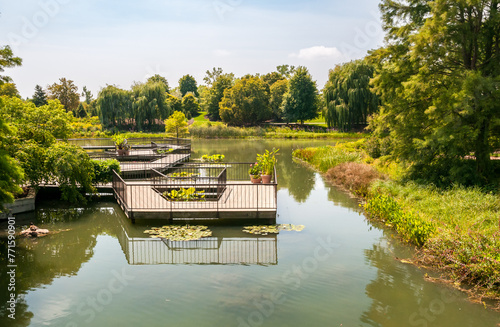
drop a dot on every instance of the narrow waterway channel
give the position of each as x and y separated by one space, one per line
100 270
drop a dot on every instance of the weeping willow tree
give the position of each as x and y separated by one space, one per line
348 98
149 104
114 105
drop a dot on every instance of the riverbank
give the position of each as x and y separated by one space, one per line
456 230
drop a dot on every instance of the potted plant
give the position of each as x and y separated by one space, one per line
121 144
254 173
266 161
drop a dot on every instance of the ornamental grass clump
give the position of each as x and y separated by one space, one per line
353 176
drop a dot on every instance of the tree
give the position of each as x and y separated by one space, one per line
272 78
212 76
114 105
221 83
9 89
176 124
247 102
190 106
347 95
66 92
161 79
88 95
7 59
301 101
439 81
80 111
149 103
187 83
277 93
285 70
11 174
40 97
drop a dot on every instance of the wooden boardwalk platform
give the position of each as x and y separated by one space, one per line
240 200
162 163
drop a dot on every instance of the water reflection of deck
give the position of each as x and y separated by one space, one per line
212 250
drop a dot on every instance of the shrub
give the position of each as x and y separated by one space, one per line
409 226
355 177
103 170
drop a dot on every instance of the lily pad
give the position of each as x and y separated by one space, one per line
272 229
179 233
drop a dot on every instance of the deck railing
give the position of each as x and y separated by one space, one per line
223 186
85 142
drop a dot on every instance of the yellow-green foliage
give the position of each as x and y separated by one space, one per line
411 227
465 208
324 158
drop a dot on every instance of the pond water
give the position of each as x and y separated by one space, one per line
100 270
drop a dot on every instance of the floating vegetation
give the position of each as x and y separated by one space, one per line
183 174
190 194
162 151
272 229
179 233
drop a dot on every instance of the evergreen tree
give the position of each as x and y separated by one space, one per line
40 97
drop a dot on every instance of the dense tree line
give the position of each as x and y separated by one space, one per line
439 82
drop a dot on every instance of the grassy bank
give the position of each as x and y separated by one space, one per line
211 131
456 229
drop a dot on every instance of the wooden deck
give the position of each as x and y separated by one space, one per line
239 200
164 162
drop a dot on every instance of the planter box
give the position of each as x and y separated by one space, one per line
21 205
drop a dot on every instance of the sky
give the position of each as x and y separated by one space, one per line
105 42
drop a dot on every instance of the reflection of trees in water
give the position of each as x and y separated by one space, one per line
402 297
297 178
40 260
342 198
392 288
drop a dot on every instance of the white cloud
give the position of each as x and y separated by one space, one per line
318 52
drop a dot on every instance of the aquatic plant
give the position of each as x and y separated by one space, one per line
272 229
179 233
182 194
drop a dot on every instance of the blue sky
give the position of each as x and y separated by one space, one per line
95 43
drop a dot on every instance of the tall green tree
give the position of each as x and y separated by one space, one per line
212 76
277 94
439 80
348 97
80 111
40 97
190 106
87 95
66 92
149 104
286 70
246 103
301 101
187 83
221 83
11 174
161 79
114 106
7 60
